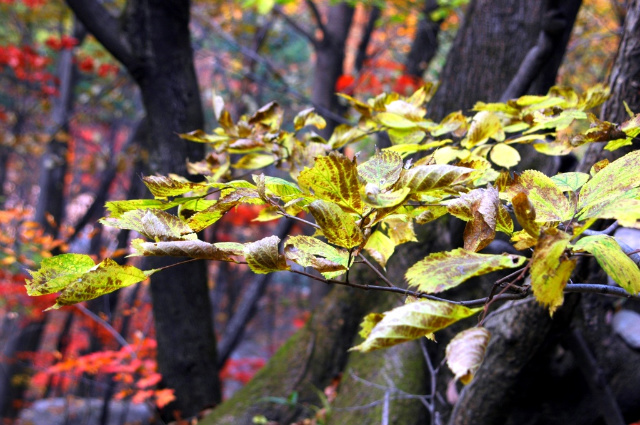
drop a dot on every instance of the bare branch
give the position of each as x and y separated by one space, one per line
105 28
317 16
296 26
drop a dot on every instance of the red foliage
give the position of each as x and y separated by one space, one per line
345 84
242 369
86 64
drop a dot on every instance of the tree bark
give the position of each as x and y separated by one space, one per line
152 40
330 51
425 44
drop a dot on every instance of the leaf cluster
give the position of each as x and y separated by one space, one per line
364 208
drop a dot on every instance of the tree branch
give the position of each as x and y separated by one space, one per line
105 28
317 16
296 26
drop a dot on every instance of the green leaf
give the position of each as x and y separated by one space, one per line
308 117
56 272
444 270
465 353
117 208
412 321
570 181
193 249
422 178
546 197
613 261
203 219
480 208
104 278
154 224
280 188
163 186
311 252
383 170
609 184
380 247
334 178
550 270
337 226
504 155
263 256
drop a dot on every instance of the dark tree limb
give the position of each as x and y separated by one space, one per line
609 410
317 16
105 28
425 43
296 26
361 56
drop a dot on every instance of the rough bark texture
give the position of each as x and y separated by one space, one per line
152 40
330 60
489 49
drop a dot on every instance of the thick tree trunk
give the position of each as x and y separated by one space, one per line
152 40
490 47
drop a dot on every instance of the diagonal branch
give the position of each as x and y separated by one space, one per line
317 16
296 26
105 28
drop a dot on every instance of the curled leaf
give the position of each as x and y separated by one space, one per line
263 256
465 353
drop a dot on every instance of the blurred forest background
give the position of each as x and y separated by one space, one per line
93 100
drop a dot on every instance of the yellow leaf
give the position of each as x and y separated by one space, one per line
504 155
465 353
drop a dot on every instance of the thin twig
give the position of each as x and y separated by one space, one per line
608 231
376 271
317 17
99 320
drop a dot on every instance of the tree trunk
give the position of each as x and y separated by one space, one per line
425 43
152 40
330 51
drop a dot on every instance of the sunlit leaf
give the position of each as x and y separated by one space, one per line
609 184
263 256
504 155
311 252
337 226
376 199
207 217
525 214
193 249
465 353
570 181
544 194
550 270
308 117
368 323
383 170
485 125
117 208
412 321
345 134
155 224
76 287
253 161
392 120
444 270
56 272
380 247
613 260
427 177
399 230
334 178
163 186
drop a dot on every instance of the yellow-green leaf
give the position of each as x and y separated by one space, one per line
155 224
337 226
368 323
308 117
99 280
570 181
485 125
391 120
613 260
550 270
263 256
544 194
117 208
504 155
163 186
345 134
383 170
253 161
380 247
412 321
205 218
609 184
311 252
427 177
56 272
193 249
465 353
444 270
334 178
376 199
399 230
